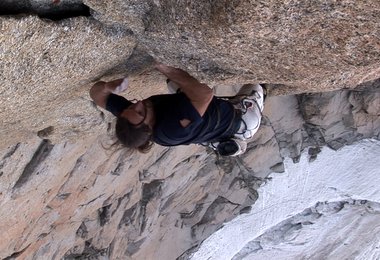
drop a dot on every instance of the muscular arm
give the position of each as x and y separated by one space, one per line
200 95
100 91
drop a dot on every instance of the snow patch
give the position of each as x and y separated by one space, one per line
350 176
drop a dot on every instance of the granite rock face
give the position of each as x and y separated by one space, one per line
80 200
308 45
294 46
46 69
308 225
327 209
64 193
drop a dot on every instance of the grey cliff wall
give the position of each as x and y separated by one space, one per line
63 195
79 200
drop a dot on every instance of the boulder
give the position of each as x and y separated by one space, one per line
46 71
299 46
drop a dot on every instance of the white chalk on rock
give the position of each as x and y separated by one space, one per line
122 87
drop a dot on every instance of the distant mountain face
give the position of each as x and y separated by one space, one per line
312 210
85 199
63 194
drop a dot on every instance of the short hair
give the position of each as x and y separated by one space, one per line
135 137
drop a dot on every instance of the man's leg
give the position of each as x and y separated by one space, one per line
250 100
251 107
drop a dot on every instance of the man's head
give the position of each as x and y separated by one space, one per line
134 126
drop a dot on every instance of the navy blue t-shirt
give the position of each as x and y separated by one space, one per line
219 121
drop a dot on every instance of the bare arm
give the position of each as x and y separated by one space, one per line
100 91
200 95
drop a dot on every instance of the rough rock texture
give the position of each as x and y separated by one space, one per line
79 200
63 195
295 46
46 68
309 45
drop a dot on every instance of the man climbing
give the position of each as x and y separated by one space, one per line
191 114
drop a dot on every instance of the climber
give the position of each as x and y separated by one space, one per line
190 114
